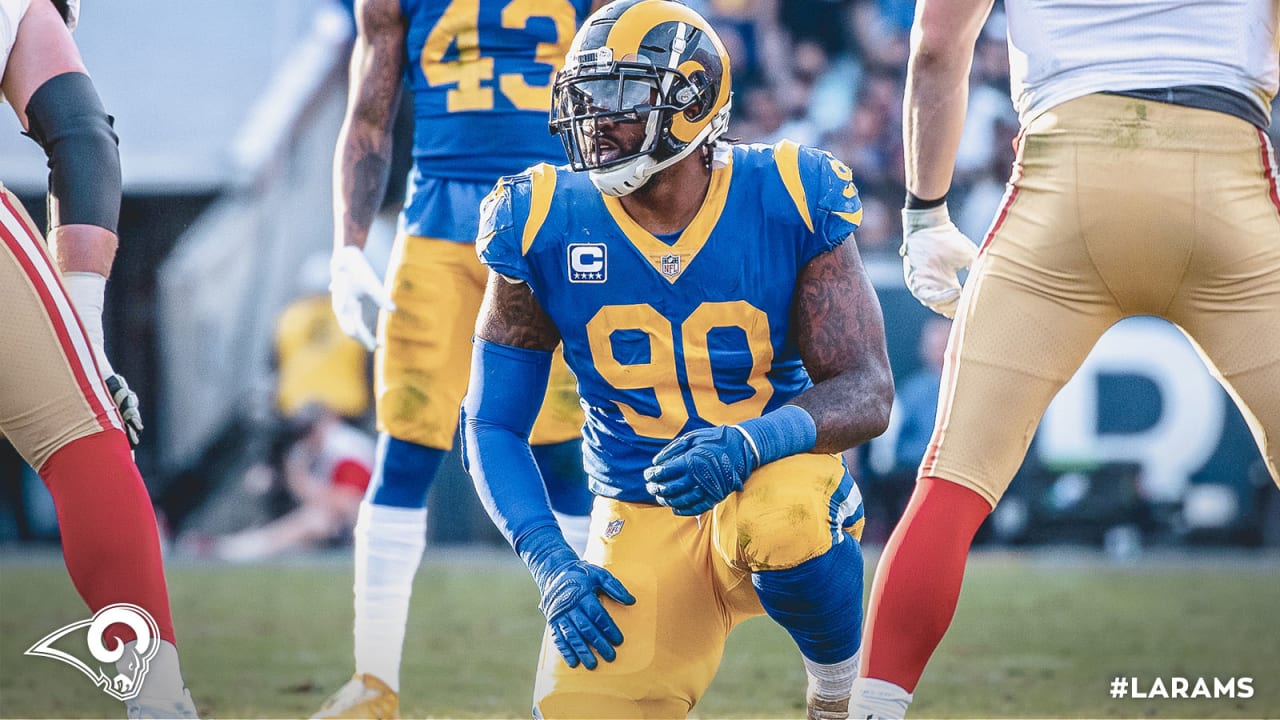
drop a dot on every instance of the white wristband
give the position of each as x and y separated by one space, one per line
87 291
913 220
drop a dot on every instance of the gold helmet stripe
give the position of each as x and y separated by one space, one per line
635 22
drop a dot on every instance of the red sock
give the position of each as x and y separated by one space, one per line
918 581
109 537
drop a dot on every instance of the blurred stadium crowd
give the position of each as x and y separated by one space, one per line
219 317
830 74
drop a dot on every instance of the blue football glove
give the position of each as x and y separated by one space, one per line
580 626
579 623
697 470
700 468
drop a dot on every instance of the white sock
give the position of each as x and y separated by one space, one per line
389 542
164 677
878 699
576 529
831 682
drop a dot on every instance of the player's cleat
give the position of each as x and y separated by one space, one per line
183 708
817 708
364 696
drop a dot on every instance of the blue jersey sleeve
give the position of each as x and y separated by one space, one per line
824 193
839 209
511 216
498 239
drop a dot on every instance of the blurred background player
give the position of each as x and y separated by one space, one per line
480 74
71 425
323 466
315 361
716 403
1144 184
321 403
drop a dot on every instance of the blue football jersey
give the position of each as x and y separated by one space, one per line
480 72
667 335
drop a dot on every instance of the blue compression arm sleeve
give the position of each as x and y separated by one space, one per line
507 385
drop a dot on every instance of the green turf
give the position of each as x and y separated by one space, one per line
1034 636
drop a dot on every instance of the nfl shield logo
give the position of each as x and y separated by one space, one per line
613 528
669 265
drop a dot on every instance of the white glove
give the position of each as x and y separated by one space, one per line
351 280
87 290
933 252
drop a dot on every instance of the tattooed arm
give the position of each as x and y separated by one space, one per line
363 157
511 315
841 333
362 161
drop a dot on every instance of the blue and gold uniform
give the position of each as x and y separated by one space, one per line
480 72
667 335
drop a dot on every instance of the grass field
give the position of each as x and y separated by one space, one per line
1036 635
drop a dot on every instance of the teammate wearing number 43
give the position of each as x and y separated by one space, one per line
727 343
480 72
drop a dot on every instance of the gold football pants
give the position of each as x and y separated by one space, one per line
691 577
424 355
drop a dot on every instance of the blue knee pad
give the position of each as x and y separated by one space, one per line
819 602
402 473
566 481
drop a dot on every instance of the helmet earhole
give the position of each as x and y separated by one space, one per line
695 91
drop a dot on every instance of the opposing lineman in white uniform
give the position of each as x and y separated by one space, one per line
1144 184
